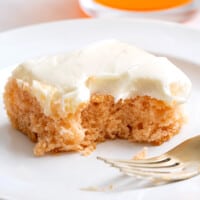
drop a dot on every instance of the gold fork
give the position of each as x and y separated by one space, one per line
182 162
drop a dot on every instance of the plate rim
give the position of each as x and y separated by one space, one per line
85 20
175 29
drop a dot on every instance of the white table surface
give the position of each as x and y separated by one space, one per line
16 13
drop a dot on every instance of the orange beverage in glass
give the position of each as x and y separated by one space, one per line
143 5
172 10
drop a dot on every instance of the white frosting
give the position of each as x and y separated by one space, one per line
107 67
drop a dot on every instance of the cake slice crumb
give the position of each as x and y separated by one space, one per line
98 188
142 154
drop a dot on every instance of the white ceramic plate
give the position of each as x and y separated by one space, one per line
64 176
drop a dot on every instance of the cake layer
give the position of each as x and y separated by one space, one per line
139 119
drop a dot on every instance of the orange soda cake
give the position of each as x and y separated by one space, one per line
106 90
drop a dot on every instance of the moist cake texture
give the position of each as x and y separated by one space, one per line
107 90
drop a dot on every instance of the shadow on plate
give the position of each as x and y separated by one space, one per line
17 143
124 183
14 142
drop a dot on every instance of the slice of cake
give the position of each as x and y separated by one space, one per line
107 90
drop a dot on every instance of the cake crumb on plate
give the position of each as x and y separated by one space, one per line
142 154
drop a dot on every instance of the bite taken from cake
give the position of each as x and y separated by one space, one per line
107 90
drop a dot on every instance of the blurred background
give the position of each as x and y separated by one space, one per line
16 13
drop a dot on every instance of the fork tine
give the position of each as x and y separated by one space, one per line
150 170
172 167
153 160
162 162
166 176
168 164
